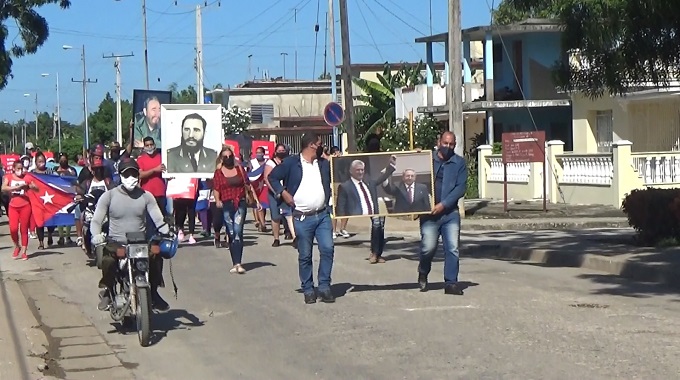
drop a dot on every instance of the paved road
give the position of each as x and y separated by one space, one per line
515 321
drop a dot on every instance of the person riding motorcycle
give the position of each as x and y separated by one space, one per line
127 207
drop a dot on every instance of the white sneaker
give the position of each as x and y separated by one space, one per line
344 233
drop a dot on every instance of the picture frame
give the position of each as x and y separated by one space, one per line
407 188
193 137
143 105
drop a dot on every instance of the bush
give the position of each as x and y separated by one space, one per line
654 214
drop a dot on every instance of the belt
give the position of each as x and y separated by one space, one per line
309 213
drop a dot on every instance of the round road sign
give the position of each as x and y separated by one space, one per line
333 114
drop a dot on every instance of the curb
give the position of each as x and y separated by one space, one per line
528 225
664 273
34 343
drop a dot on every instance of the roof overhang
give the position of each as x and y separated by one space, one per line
499 105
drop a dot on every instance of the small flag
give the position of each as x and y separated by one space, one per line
52 203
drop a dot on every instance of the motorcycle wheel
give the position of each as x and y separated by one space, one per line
143 316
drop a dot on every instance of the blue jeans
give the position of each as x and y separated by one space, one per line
449 230
234 217
307 228
377 235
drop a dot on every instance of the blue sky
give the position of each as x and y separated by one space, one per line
380 30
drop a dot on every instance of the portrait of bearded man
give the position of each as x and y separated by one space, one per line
192 156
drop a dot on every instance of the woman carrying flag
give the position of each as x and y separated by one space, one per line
41 168
19 208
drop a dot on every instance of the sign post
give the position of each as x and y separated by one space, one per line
523 147
334 115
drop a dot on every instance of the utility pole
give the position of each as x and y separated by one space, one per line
333 68
36 118
58 114
454 96
199 56
325 50
146 50
284 64
348 102
119 112
296 46
85 81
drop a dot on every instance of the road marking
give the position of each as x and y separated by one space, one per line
452 307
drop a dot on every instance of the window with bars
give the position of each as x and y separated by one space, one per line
261 113
604 131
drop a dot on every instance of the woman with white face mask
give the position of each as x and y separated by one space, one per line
19 212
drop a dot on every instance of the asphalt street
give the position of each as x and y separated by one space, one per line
515 321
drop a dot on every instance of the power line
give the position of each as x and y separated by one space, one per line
390 29
368 28
316 37
206 5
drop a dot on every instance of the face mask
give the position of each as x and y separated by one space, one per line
19 173
319 151
446 152
281 155
63 164
115 155
129 183
228 162
150 150
260 156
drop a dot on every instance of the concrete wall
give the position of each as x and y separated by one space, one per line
310 104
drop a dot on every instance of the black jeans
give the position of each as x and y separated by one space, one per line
110 268
217 219
40 231
185 208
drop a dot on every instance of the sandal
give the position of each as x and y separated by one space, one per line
41 246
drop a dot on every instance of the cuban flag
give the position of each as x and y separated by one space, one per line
52 204
256 178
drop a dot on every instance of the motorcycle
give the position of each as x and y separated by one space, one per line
88 205
131 296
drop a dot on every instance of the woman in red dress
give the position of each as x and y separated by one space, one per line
19 208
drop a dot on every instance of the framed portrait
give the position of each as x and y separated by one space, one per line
382 184
192 139
146 109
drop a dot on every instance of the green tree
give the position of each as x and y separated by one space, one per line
426 130
507 12
102 122
619 44
32 34
185 96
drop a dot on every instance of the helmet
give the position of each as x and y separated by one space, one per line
97 156
168 246
127 164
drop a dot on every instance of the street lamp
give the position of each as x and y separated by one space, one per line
58 115
36 115
23 128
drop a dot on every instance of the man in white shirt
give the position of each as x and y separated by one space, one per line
304 183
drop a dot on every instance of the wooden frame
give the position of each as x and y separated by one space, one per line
387 200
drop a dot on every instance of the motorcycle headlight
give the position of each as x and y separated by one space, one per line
142 265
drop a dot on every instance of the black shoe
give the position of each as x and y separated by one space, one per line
158 303
50 242
60 242
455 290
276 243
310 298
422 282
104 300
326 296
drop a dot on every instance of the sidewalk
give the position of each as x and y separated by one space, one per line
608 250
23 344
482 215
